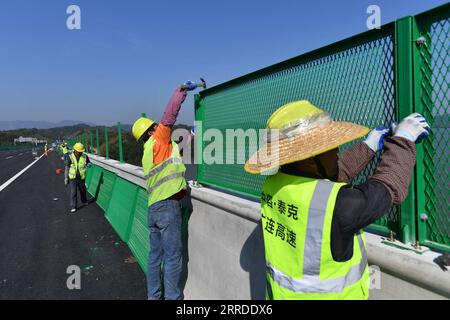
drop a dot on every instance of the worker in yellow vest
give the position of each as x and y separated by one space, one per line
64 148
166 186
65 158
78 163
312 217
46 150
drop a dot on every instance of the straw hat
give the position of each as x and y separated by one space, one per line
297 131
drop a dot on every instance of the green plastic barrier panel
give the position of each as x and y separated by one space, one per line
139 241
94 181
89 176
121 207
105 189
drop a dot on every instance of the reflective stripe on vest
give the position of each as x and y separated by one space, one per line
284 187
79 166
171 170
165 179
163 166
313 284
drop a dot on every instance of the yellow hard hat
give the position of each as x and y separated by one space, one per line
78 147
141 126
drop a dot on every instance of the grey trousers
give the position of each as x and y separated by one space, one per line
77 186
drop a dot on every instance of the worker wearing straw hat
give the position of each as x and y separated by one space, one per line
312 218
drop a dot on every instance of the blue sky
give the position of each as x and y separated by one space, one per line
130 55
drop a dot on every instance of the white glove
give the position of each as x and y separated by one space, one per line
414 127
375 139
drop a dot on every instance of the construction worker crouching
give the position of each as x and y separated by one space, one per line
78 163
166 186
312 217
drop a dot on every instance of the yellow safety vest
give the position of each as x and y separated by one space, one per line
297 213
166 178
77 165
65 150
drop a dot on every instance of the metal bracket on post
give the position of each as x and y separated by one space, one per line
195 184
421 41
392 242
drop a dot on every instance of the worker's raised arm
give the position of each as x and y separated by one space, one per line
358 207
395 168
173 107
399 157
354 159
177 99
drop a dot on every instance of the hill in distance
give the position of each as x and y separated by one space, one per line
19 124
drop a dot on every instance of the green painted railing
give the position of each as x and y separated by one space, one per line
125 206
373 78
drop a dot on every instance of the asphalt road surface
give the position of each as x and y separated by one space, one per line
40 239
13 161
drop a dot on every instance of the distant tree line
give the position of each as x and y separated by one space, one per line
132 150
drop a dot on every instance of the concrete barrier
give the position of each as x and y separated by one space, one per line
224 252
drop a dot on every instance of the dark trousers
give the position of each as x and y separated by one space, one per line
77 186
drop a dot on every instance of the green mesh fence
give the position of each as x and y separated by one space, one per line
353 80
434 97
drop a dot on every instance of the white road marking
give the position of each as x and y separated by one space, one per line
7 183
9 157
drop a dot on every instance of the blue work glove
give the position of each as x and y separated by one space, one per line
414 128
189 85
376 137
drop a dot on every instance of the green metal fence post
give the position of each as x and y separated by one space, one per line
418 107
98 141
431 42
92 140
119 133
198 140
404 104
106 143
